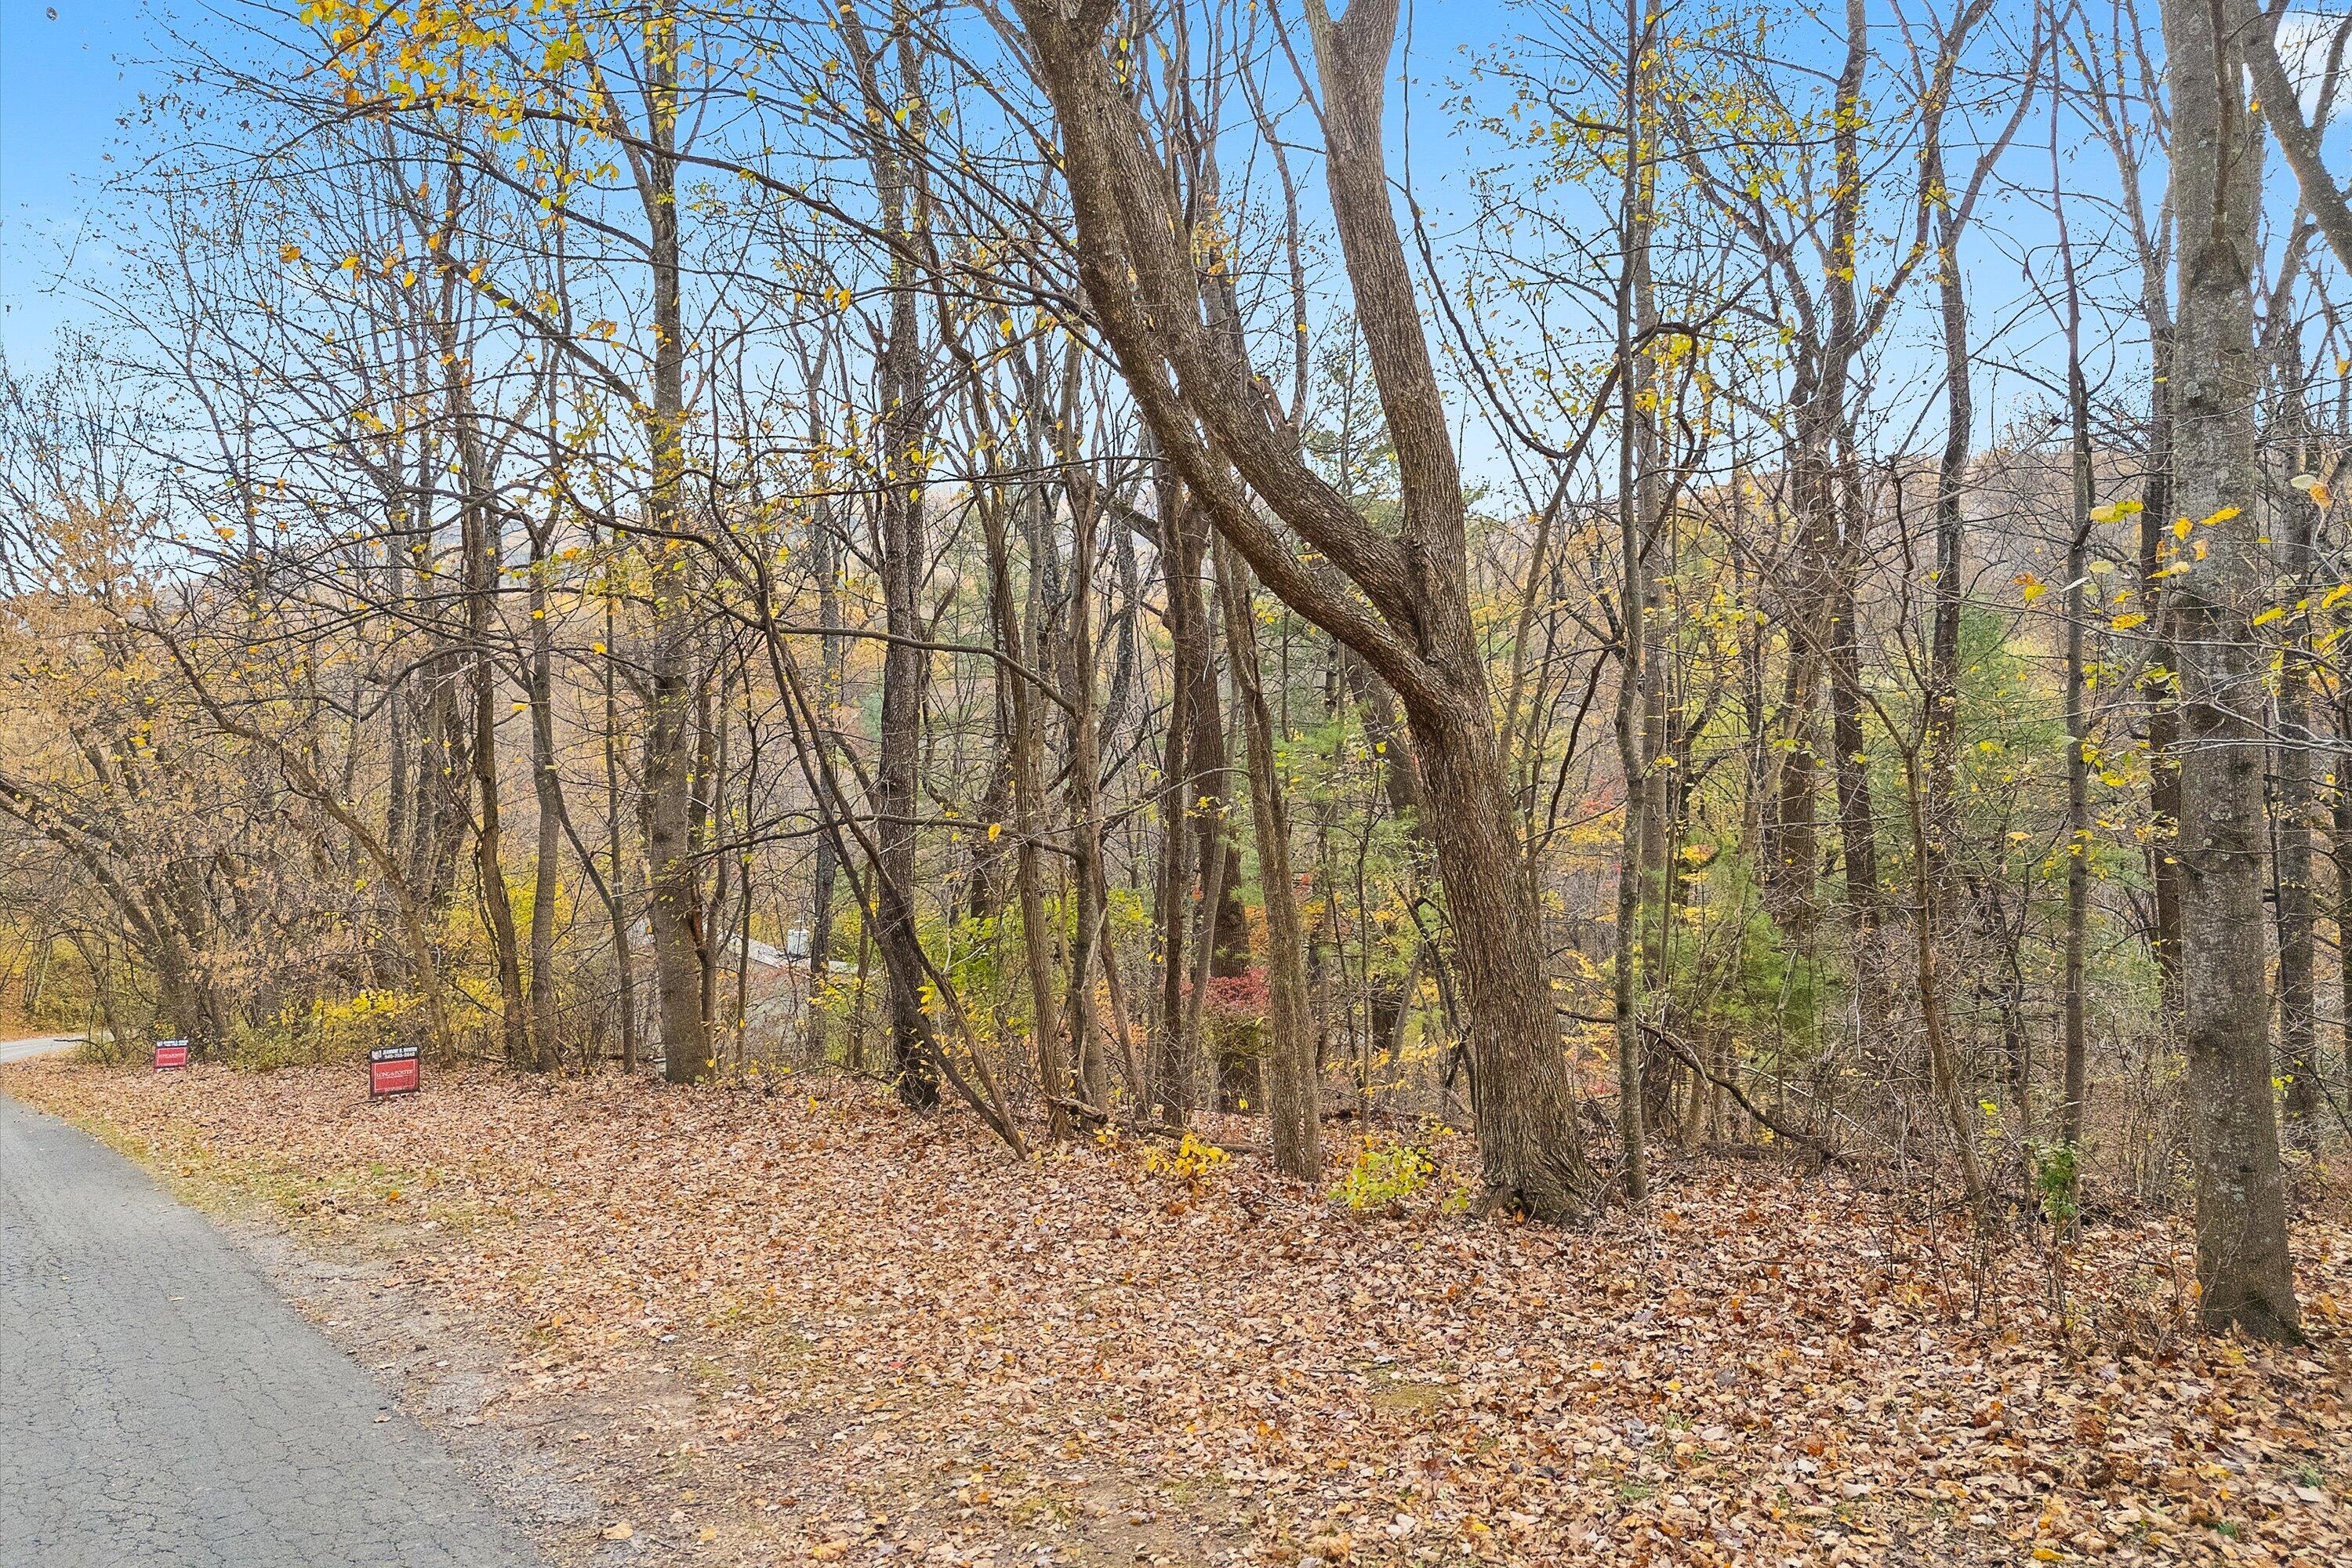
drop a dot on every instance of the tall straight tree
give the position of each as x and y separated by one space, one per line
1292 1103
902 430
2243 1267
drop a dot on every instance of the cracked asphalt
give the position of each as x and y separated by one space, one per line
160 1403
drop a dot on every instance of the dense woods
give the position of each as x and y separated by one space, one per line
1663 581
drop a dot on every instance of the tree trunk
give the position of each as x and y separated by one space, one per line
1089 893
1183 787
901 434
2159 689
548 785
483 563
673 879
2243 1265
2340 802
825 549
2291 773
1294 1102
2080 605
1641 852
625 968
1022 746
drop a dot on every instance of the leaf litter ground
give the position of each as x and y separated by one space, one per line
813 1327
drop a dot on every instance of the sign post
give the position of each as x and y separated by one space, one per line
393 1069
171 1056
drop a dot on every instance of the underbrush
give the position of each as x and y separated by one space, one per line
327 1031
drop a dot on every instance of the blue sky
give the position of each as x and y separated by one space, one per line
64 83
70 70
68 80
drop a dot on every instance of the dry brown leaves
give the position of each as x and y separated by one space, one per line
908 1347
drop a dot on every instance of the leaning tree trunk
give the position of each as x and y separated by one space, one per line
2243 1265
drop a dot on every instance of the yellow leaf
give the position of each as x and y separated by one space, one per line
2126 623
2116 512
2224 515
2267 617
2180 528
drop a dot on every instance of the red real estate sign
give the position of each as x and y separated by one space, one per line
393 1069
171 1054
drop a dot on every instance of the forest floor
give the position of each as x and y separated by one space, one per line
768 1325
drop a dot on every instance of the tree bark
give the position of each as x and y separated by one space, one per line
2243 1265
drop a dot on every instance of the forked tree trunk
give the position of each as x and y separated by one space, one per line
1161 293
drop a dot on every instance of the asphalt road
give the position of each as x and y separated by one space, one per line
161 1404
41 1045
